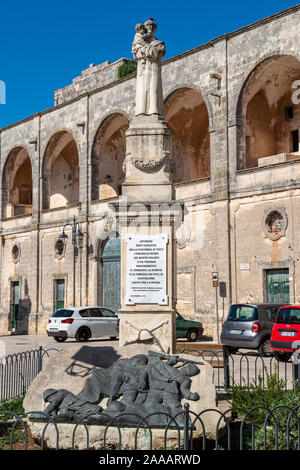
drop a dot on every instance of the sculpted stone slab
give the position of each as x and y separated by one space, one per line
74 366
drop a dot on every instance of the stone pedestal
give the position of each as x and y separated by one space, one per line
148 160
147 312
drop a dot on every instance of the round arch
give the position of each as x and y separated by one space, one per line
107 156
188 120
266 116
197 89
17 183
60 171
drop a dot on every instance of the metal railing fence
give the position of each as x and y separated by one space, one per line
235 429
17 371
245 368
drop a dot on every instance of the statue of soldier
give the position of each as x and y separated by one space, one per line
65 405
168 385
126 377
141 386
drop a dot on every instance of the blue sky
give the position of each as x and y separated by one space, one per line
46 44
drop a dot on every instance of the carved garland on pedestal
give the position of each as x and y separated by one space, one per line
154 165
149 166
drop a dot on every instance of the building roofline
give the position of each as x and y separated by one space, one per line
236 32
210 43
66 103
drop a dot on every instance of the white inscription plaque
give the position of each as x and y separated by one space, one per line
146 277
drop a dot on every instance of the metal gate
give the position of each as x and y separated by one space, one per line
278 286
111 274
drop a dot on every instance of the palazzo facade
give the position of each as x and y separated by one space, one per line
233 111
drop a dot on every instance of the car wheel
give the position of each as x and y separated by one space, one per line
192 335
282 356
83 334
59 339
265 347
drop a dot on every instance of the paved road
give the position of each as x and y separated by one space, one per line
19 343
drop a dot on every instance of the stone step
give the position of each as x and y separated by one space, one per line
212 352
197 346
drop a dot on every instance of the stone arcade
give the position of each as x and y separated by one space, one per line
234 142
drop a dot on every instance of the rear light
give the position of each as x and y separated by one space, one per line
49 321
118 322
223 326
256 327
69 321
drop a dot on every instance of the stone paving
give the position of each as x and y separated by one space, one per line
19 343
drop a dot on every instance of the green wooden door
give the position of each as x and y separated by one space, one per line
15 304
278 286
60 294
111 274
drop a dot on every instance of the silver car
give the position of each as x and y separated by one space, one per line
249 327
83 323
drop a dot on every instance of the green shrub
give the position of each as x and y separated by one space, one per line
12 404
126 69
270 396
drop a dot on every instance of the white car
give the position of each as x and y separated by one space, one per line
83 323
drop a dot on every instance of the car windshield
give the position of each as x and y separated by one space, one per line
288 315
243 313
63 313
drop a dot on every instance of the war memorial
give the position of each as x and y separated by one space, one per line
142 382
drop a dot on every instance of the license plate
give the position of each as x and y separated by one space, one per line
235 332
288 333
53 329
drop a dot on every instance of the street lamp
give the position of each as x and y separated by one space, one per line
76 234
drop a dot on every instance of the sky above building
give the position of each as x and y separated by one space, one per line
44 45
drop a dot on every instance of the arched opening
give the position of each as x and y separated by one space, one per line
17 184
108 153
61 172
268 120
187 117
110 273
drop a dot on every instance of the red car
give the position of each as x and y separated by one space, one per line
285 337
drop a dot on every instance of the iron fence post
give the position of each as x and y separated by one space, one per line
40 359
226 367
186 426
296 368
